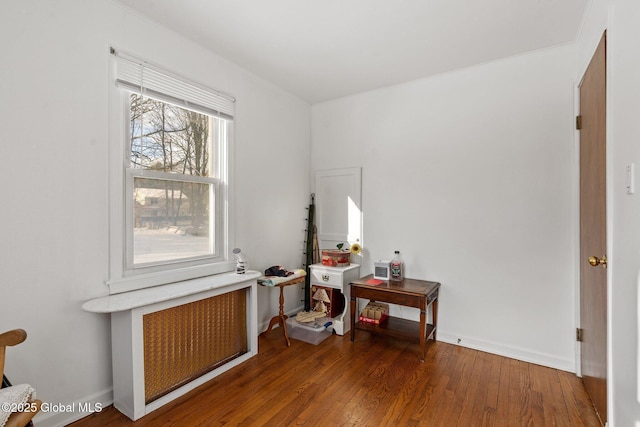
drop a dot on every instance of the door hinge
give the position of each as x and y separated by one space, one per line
578 122
579 333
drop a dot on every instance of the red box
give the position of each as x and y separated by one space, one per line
373 321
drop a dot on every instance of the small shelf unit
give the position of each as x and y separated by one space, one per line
337 278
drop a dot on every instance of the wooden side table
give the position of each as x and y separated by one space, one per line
408 292
281 318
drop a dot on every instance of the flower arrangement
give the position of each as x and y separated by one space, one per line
355 248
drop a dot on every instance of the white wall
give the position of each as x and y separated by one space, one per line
469 175
624 246
54 121
620 18
624 149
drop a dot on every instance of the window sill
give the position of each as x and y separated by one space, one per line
161 278
144 297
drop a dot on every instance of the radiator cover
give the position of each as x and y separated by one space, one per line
185 342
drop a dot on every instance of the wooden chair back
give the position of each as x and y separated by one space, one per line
9 339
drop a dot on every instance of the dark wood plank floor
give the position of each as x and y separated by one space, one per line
375 381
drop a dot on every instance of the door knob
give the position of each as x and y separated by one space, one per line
594 261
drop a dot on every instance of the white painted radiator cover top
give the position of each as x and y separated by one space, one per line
143 297
127 336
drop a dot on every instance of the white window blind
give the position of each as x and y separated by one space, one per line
144 78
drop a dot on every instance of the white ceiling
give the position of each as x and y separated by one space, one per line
325 49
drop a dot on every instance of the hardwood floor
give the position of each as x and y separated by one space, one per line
375 381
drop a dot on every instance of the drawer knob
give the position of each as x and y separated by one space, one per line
325 277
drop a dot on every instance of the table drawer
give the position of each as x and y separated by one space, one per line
326 277
385 295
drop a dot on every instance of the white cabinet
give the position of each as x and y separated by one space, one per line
337 278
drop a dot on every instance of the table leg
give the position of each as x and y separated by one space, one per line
423 332
280 319
434 317
283 317
353 314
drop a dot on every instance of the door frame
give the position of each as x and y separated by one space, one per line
609 215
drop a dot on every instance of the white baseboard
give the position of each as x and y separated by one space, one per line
511 352
58 414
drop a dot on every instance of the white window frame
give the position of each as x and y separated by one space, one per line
123 276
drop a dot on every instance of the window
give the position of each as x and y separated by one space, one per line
170 196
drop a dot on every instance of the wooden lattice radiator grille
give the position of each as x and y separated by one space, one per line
184 342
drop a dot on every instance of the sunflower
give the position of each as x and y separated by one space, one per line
355 248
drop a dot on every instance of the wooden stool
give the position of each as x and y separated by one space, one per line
281 317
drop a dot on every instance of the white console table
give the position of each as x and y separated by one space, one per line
127 311
337 278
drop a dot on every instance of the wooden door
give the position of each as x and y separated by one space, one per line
593 238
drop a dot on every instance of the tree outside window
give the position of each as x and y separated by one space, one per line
174 181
